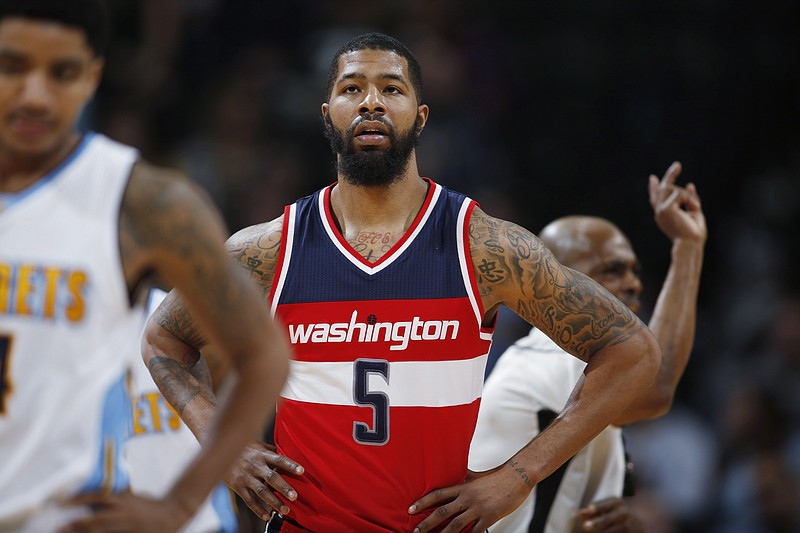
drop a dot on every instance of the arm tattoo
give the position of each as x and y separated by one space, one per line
257 248
175 318
514 268
179 385
521 472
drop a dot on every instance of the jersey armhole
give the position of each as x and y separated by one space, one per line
468 272
284 256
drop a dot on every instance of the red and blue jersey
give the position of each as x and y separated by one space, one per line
385 384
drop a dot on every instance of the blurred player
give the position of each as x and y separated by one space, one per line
84 225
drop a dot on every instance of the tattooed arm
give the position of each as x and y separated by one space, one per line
515 269
173 344
169 229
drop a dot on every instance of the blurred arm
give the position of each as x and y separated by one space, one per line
169 228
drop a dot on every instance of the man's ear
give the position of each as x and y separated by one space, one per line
95 74
422 118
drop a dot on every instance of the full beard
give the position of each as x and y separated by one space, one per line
372 168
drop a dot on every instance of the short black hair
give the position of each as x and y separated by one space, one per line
89 15
378 41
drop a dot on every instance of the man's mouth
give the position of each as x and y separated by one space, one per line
30 128
371 137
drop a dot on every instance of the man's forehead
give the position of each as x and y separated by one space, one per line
19 33
617 249
360 61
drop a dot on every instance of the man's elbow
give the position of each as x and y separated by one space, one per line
650 364
661 402
653 399
157 341
654 403
150 341
651 359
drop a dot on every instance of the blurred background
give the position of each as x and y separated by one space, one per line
538 110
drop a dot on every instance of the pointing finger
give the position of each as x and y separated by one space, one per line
652 189
672 174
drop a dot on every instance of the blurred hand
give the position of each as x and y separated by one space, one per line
677 210
126 513
611 515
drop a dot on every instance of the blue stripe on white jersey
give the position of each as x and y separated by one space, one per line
109 474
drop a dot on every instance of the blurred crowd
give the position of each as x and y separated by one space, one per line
538 111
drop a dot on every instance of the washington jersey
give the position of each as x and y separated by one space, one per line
65 324
385 385
526 390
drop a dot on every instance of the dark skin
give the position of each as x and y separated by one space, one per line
167 230
512 267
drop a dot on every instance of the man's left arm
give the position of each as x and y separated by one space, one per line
514 268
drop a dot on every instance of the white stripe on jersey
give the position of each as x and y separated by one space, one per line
466 269
288 227
410 383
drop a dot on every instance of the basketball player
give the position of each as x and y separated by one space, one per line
533 379
84 225
387 285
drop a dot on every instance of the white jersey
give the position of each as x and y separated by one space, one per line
161 446
528 387
66 322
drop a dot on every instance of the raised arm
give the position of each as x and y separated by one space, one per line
168 228
679 216
515 269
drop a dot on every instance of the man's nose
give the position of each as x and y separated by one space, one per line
372 102
35 91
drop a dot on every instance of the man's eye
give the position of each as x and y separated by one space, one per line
11 67
351 89
392 89
66 73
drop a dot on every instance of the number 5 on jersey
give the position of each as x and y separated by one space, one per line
378 401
